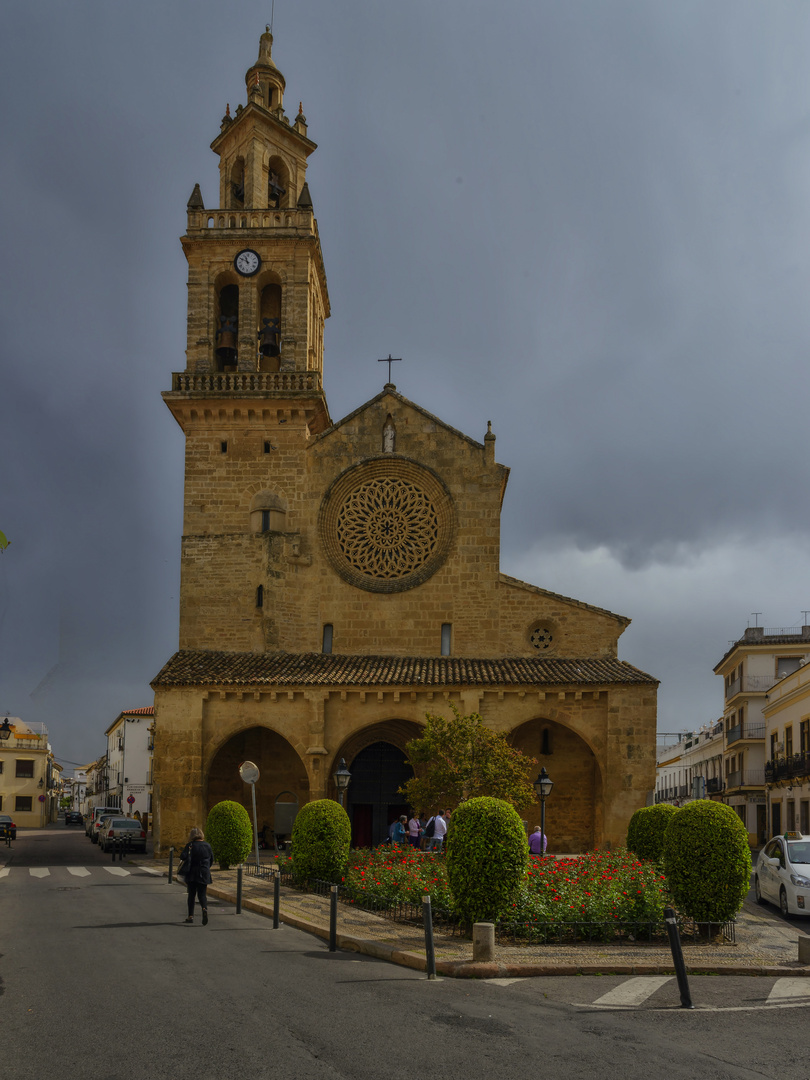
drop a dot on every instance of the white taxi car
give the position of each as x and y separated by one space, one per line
782 873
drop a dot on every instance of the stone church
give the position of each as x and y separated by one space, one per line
340 578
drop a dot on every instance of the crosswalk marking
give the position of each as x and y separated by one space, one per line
119 871
506 982
78 871
634 991
150 870
5 871
789 989
39 871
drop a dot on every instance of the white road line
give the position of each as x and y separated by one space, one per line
634 991
150 870
118 871
5 871
789 990
78 871
39 871
505 982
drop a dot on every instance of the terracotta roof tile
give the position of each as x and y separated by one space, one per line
204 668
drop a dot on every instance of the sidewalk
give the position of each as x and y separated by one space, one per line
766 945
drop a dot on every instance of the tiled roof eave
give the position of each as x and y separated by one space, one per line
257 670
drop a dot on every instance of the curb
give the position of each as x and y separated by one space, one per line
472 969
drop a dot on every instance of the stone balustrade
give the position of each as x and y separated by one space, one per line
241 382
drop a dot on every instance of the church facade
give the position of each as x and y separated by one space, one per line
340 579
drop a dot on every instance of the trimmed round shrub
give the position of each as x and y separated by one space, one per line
321 837
487 855
707 861
645 833
229 832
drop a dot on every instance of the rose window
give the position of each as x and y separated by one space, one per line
386 525
541 638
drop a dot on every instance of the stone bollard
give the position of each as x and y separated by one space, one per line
804 949
483 942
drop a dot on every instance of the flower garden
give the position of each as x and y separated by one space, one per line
599 887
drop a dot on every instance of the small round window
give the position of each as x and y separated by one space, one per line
541 637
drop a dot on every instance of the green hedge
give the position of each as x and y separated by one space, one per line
321 838
645 833
229 832
707 861
487 855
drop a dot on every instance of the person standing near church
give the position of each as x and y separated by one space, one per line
439 832
197 857
537 842
414 829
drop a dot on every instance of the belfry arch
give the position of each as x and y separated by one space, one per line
280 768
574 817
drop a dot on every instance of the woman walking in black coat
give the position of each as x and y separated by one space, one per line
196 859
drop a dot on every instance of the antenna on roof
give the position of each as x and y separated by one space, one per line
272 15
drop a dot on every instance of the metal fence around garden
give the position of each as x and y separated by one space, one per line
562 932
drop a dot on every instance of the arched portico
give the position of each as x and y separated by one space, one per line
376 758
574 810
280 768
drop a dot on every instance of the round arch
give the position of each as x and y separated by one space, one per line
280 767
574 808
376 759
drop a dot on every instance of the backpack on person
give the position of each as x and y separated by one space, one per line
430 828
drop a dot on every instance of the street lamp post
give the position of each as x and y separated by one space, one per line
542 786
342 778
5 730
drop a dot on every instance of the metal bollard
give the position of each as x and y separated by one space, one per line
112 848
677 957
430 955
171 863
276 897
333 919
239 890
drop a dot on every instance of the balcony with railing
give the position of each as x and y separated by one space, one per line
745 778
743 732
246 382
714 785
797 765
750 684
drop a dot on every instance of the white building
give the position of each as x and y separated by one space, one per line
787 741
692 768
130 741
751 668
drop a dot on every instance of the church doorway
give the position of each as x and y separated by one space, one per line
374 802
281 771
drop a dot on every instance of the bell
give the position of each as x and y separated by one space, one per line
226 340
269 338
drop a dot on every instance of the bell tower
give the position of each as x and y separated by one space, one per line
250 398
257 296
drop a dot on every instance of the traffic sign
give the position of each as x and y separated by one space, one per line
42 798
130 799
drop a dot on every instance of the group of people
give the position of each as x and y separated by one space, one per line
424 834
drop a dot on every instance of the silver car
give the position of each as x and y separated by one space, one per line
129 830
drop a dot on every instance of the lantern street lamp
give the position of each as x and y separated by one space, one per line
342 778
542 786
5 730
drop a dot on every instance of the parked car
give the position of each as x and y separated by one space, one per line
117 828
94 815
94 835
6 823
782 874
73 817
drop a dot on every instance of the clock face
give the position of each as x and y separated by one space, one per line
247 262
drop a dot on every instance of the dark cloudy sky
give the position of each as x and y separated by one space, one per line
587 222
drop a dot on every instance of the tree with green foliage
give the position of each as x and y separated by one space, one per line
229 832
487 855
645 833
461 758
4 542
321 839
707 861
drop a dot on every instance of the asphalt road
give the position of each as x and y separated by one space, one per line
101 978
